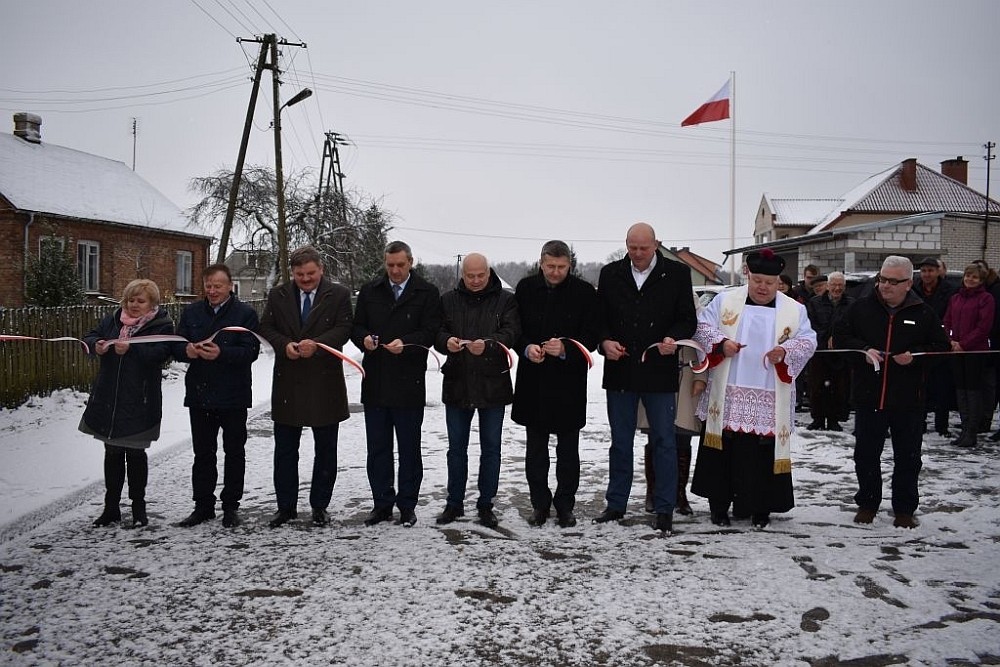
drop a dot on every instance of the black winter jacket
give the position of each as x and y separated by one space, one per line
824 315
914 327
482 381
226 382
552 395
636 318
125 400
396 380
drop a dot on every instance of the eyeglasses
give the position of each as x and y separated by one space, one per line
890 281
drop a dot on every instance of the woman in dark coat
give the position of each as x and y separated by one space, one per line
968 321
125 404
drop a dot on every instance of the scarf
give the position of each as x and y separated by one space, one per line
130 325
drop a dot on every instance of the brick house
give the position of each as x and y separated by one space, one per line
115 223
703 271
908 209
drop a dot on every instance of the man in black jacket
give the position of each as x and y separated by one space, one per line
644 308
890 324
218 392
396 319
829 375
550 396
479 324
935 291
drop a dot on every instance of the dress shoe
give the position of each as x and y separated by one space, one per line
721 519
609 515
683 507
488 518
378 515
905 521
450 513
139 517
230 519
320 517
281 517
833 425
109 516
664 522
865 515
538 517
566 520
407 518
196 517
760 521
816 425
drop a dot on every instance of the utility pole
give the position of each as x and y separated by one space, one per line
458 267
133 141
269 46
330 174
989 157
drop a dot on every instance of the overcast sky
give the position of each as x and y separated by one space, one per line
496 126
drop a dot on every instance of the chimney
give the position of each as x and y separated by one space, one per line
28 126
908 177
957 169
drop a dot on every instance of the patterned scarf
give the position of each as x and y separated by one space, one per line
130 325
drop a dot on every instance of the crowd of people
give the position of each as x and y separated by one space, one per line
729 372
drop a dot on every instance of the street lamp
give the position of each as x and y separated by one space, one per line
282 230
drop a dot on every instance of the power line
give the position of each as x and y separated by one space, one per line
232 16
216 21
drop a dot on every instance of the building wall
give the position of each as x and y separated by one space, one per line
126 253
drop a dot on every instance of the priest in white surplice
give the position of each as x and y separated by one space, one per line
758 340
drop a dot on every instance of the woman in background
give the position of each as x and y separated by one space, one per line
125 402
968 321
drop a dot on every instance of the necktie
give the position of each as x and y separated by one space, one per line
306 306
396 291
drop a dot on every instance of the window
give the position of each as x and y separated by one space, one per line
88 262
184 262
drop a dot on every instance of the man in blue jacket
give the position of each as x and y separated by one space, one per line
644 308
218 392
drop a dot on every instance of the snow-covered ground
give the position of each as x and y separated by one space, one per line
813 589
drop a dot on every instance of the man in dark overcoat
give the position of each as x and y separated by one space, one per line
645 307
395 322
308 388
550 395
218 390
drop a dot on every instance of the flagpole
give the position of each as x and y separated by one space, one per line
732 175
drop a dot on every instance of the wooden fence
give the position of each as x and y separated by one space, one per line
29 368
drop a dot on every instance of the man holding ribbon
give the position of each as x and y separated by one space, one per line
479 324
758 341
217 394
889 325
558 330
645 306
308 388
395 322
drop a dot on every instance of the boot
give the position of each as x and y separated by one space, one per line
650 477
970 425
683 473
138 473
114 482
962 400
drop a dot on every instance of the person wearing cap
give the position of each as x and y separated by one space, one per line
829 377
757 341
890 324
819 285
935 291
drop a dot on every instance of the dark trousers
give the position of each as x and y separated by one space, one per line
205 426
120 462
459 423
905 427
380 424
828 386
536 469
742 473
286 465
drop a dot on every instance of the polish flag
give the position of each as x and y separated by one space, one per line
716 108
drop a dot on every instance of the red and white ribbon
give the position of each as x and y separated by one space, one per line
699 366
12 337
510 355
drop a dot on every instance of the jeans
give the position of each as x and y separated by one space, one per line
660 411
286 465
205 425
459 423
380 423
